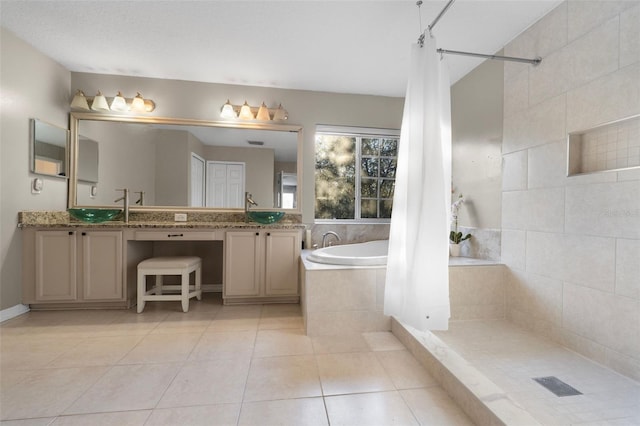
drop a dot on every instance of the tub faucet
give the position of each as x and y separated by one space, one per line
248 201
125 198
326 234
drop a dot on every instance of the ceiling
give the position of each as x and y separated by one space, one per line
336 46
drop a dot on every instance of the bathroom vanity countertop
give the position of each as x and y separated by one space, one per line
62 220
162 225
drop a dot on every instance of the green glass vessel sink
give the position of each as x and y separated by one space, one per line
265 217
94 215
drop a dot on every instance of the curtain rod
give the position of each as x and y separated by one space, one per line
442 12
535 61
433 23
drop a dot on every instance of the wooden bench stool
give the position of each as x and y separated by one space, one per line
175 265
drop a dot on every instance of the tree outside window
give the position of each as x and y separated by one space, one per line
344 191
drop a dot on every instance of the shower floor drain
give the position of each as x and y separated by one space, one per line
557 386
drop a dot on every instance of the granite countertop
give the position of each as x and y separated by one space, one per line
61 219
164 225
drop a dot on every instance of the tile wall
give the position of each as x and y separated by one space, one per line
484 243
340 300
572 244
349 233
477 292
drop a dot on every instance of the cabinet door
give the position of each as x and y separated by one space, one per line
56 265
102 265
282 253
242 262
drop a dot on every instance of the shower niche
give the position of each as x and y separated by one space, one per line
611 146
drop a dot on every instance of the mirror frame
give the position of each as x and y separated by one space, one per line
33 123
74 121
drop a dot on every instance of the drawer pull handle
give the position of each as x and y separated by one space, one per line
175 235
268 234
70 232
257 233
84 233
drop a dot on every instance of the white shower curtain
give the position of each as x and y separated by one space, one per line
417 280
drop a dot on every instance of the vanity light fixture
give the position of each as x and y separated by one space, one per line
248 112
99 102
80 101
118 103
281 114
137 104
263 113
227 111
245 112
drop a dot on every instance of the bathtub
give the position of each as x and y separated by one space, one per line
372 253
342 289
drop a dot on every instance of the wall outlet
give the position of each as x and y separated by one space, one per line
180 217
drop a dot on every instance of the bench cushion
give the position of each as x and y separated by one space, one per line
169 262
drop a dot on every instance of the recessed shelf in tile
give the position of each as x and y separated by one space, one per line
611 146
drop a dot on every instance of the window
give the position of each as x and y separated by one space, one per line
355 172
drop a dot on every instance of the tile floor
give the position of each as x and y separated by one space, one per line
223 365
510 357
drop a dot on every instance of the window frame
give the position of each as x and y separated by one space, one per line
359 133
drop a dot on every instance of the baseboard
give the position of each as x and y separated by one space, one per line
12 312
212 288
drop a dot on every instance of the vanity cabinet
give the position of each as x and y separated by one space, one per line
56 267
95 267
261 266
73 266
101 265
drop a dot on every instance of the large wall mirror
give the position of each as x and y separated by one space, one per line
178 164
48 148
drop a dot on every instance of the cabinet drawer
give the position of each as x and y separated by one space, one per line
178 235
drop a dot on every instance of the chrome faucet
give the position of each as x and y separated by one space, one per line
141 199
326 234
248 201
125 198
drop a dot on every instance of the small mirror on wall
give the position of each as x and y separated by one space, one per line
49 146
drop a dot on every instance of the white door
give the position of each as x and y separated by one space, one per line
225 184
235 185
197 180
